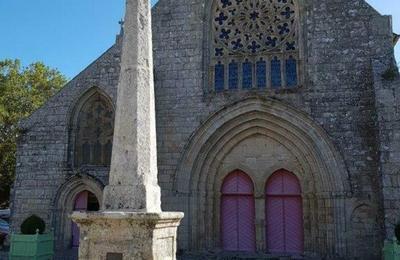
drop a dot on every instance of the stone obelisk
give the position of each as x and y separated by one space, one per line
131 224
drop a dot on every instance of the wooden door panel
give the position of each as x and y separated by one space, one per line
275 225
293 225
284 214
238 213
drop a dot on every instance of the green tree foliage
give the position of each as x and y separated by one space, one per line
22 91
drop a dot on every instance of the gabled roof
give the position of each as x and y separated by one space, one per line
87 73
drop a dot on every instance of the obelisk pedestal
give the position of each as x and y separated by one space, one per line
117 235
131 224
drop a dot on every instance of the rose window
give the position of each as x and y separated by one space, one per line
255 44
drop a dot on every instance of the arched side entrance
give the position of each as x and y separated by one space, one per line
237 213
84 201
70 198
284 214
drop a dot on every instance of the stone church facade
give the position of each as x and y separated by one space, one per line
278 131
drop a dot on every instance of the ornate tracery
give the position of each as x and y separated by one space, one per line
254 44
94 132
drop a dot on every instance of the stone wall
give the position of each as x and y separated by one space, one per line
339 40
387 87
43 159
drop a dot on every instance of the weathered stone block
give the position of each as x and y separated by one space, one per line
147 236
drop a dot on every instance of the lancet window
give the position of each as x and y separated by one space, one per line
94 133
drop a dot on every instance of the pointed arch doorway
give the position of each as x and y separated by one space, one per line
284 214
84 201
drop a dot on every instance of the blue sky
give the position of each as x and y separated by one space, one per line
70 34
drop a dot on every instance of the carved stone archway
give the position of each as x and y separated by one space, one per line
320 169
64 205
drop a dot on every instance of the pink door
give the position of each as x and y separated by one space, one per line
284 213
237 213
81 204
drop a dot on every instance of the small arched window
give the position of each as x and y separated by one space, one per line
94 132
254 45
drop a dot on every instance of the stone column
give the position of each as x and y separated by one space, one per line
133 177
131 224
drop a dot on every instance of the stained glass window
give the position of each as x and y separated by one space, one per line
94 133
247 75
233 75
219 77
291 72
254 32
261 74
254 26
276 79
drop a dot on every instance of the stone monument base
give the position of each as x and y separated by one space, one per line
127 235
